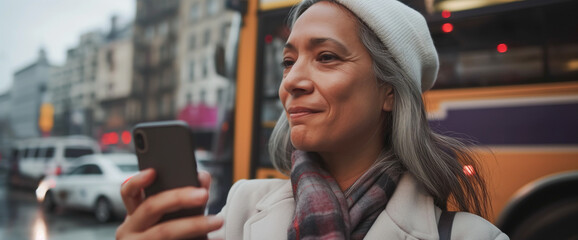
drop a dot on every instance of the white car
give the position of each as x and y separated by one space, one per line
93 185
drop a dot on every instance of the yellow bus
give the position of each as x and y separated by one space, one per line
508 80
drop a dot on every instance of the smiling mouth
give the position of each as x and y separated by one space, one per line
297 112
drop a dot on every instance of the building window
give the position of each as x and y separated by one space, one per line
203 96
141 9
149 32
189 98
207 37
212 7
151 110
133 110
167 51
220 93
169 105
192 41
173 25
225 28
163 51
195 12
192 71
163 28
205 69
170 78
161 107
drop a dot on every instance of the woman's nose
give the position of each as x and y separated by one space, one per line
297 81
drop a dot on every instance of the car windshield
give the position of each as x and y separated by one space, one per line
127 168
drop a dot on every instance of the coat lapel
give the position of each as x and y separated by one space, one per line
274 214
409 214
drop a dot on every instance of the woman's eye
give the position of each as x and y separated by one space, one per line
327 57
287 63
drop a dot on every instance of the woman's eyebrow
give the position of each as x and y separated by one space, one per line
289 46
315 42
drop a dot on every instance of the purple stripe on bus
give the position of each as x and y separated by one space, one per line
523 125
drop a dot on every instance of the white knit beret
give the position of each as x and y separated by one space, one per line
405 34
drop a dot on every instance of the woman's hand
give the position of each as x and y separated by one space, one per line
142 214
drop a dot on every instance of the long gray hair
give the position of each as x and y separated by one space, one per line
436 161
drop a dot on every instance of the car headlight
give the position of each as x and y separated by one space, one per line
43 187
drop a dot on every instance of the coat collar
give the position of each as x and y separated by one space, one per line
409 214
283 193
274 214
410 211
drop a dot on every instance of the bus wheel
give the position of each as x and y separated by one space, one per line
555 221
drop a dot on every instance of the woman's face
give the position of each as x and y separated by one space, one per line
329 90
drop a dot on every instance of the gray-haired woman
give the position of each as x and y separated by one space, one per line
362 160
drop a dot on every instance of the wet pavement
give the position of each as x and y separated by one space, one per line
21 218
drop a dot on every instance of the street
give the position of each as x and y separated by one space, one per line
21 218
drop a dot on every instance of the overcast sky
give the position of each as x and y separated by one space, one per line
56 25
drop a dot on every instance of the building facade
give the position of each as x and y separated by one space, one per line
73 88
206 25
29 91
113 84
6 134
174 65
5 108
155 68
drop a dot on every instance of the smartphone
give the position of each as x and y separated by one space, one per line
169 148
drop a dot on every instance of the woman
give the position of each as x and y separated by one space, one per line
354 139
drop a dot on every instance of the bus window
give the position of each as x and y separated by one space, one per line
272 37
49 152
496 47
38 153
76 152
561 42
14 155
29 152
14 160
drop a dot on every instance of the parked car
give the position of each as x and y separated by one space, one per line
93 185
38 157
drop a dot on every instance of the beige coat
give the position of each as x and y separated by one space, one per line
263 209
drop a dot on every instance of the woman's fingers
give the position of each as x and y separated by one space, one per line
131 190
184 228
205 179
175 229
153 208
143 214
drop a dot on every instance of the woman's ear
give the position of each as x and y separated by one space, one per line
389 98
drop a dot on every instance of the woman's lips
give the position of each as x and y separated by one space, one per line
297 112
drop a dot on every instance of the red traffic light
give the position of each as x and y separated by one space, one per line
447 27
109 138
502 48
446 14
125 137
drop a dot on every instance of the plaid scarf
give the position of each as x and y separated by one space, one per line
323 211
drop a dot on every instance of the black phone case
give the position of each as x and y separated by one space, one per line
169 149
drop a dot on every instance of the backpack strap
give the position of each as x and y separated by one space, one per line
445 225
